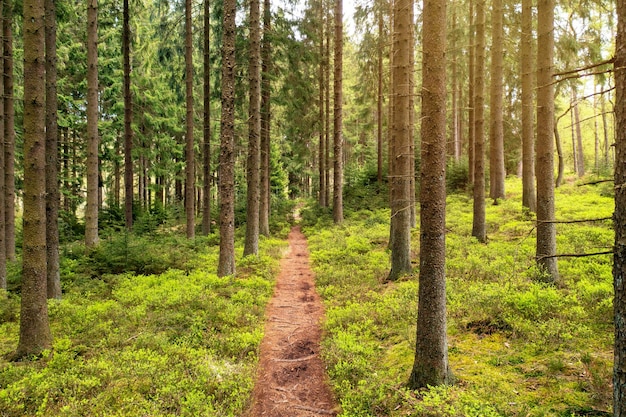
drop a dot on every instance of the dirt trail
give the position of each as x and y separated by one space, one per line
291 380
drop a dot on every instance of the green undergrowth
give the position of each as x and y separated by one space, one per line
517 345
165 338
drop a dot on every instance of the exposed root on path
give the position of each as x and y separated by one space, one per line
291 380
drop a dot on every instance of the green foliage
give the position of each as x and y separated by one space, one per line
176 343
517 346
457 176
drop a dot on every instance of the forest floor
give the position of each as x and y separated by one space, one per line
291 379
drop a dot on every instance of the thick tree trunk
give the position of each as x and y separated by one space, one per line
338 116
478 226
497 172
3 258
9 133
546 231
52 155
35 333
226 264
251 244
529 196
400 136
206 165
128 119
266 65
91 212
619 218
190 160
431 350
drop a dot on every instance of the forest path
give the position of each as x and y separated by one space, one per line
291 380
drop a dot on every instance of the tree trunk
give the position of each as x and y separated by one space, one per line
559 152
471 95
322 127
497 172
400 136
606 134
35 333
206 165
190 173
379 100
619 218
266 65
91 212
327 106
3 258
596 134
431 351
338 116
251 244
9 133
52 155
128 119
579 140
478 226
546 231
226 265
529 197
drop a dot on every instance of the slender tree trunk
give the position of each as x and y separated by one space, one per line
321 149
52 155
400 135
619 217
559 152
206 166
471 95
529 196
226 264
479 227
379 100
579 140
338 116
266 65
128 119
91 212
606 133
327 106
413 218
431 351
596 134
190 173
251 244
546 231
455 143
3 258
496 131
35 333
573 134
9 133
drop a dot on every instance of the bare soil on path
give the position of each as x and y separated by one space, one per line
291 379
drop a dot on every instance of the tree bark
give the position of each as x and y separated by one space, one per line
546 232
431 351
190 165
471 94
327 106
619 217
266 65
400 136
226 263
497 172
35 333
128 119
529 196
52 155
9 133
579 141
321 148
251 244
91 212
3 258
206 166
478 226
379 100
338 116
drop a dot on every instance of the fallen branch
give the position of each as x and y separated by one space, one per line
599 219
596 182
316 410
574 255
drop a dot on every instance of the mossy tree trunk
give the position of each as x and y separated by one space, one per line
52 155
251 244
529 196
497 171
190 156
34 327
431 350
401 141
226 263
544 168
91 212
